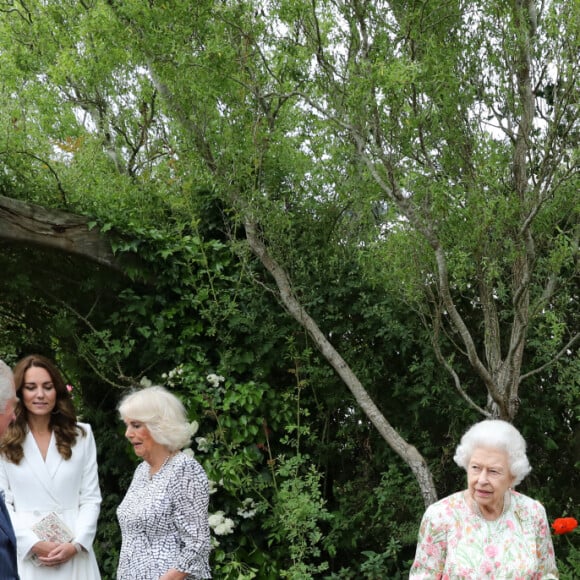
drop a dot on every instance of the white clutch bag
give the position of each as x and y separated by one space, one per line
51 529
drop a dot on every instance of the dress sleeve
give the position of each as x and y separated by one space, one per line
431 548
25 537
546 558
191 499
89 492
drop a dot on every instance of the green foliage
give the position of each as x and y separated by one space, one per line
170 123
297 515
263 505
568 549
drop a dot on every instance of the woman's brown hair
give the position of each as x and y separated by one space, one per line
63 420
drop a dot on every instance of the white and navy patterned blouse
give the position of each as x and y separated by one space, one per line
164 522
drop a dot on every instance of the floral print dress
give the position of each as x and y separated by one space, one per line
456 542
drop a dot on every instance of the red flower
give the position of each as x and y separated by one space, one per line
564 525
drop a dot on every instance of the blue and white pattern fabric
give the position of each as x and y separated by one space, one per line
164 522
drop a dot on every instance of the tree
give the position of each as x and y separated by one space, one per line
36 225
419 127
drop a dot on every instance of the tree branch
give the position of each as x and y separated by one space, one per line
407 452
31 224
558 356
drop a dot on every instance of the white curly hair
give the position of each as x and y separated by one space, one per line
495 434
162 413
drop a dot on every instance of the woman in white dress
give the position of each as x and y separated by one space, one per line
48 465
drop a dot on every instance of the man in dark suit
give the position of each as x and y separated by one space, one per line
8 567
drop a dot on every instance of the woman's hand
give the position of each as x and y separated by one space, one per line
173 575
43 548
52 554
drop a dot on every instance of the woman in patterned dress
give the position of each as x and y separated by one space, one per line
164 515
488 531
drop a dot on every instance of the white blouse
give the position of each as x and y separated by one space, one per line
164 522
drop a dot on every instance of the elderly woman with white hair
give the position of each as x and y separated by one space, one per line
488 530
164 515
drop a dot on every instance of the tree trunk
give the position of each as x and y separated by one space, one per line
31 224
408 453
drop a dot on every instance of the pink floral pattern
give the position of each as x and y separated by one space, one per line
457 543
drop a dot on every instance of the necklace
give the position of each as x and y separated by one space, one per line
165 462
492 528
477 509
